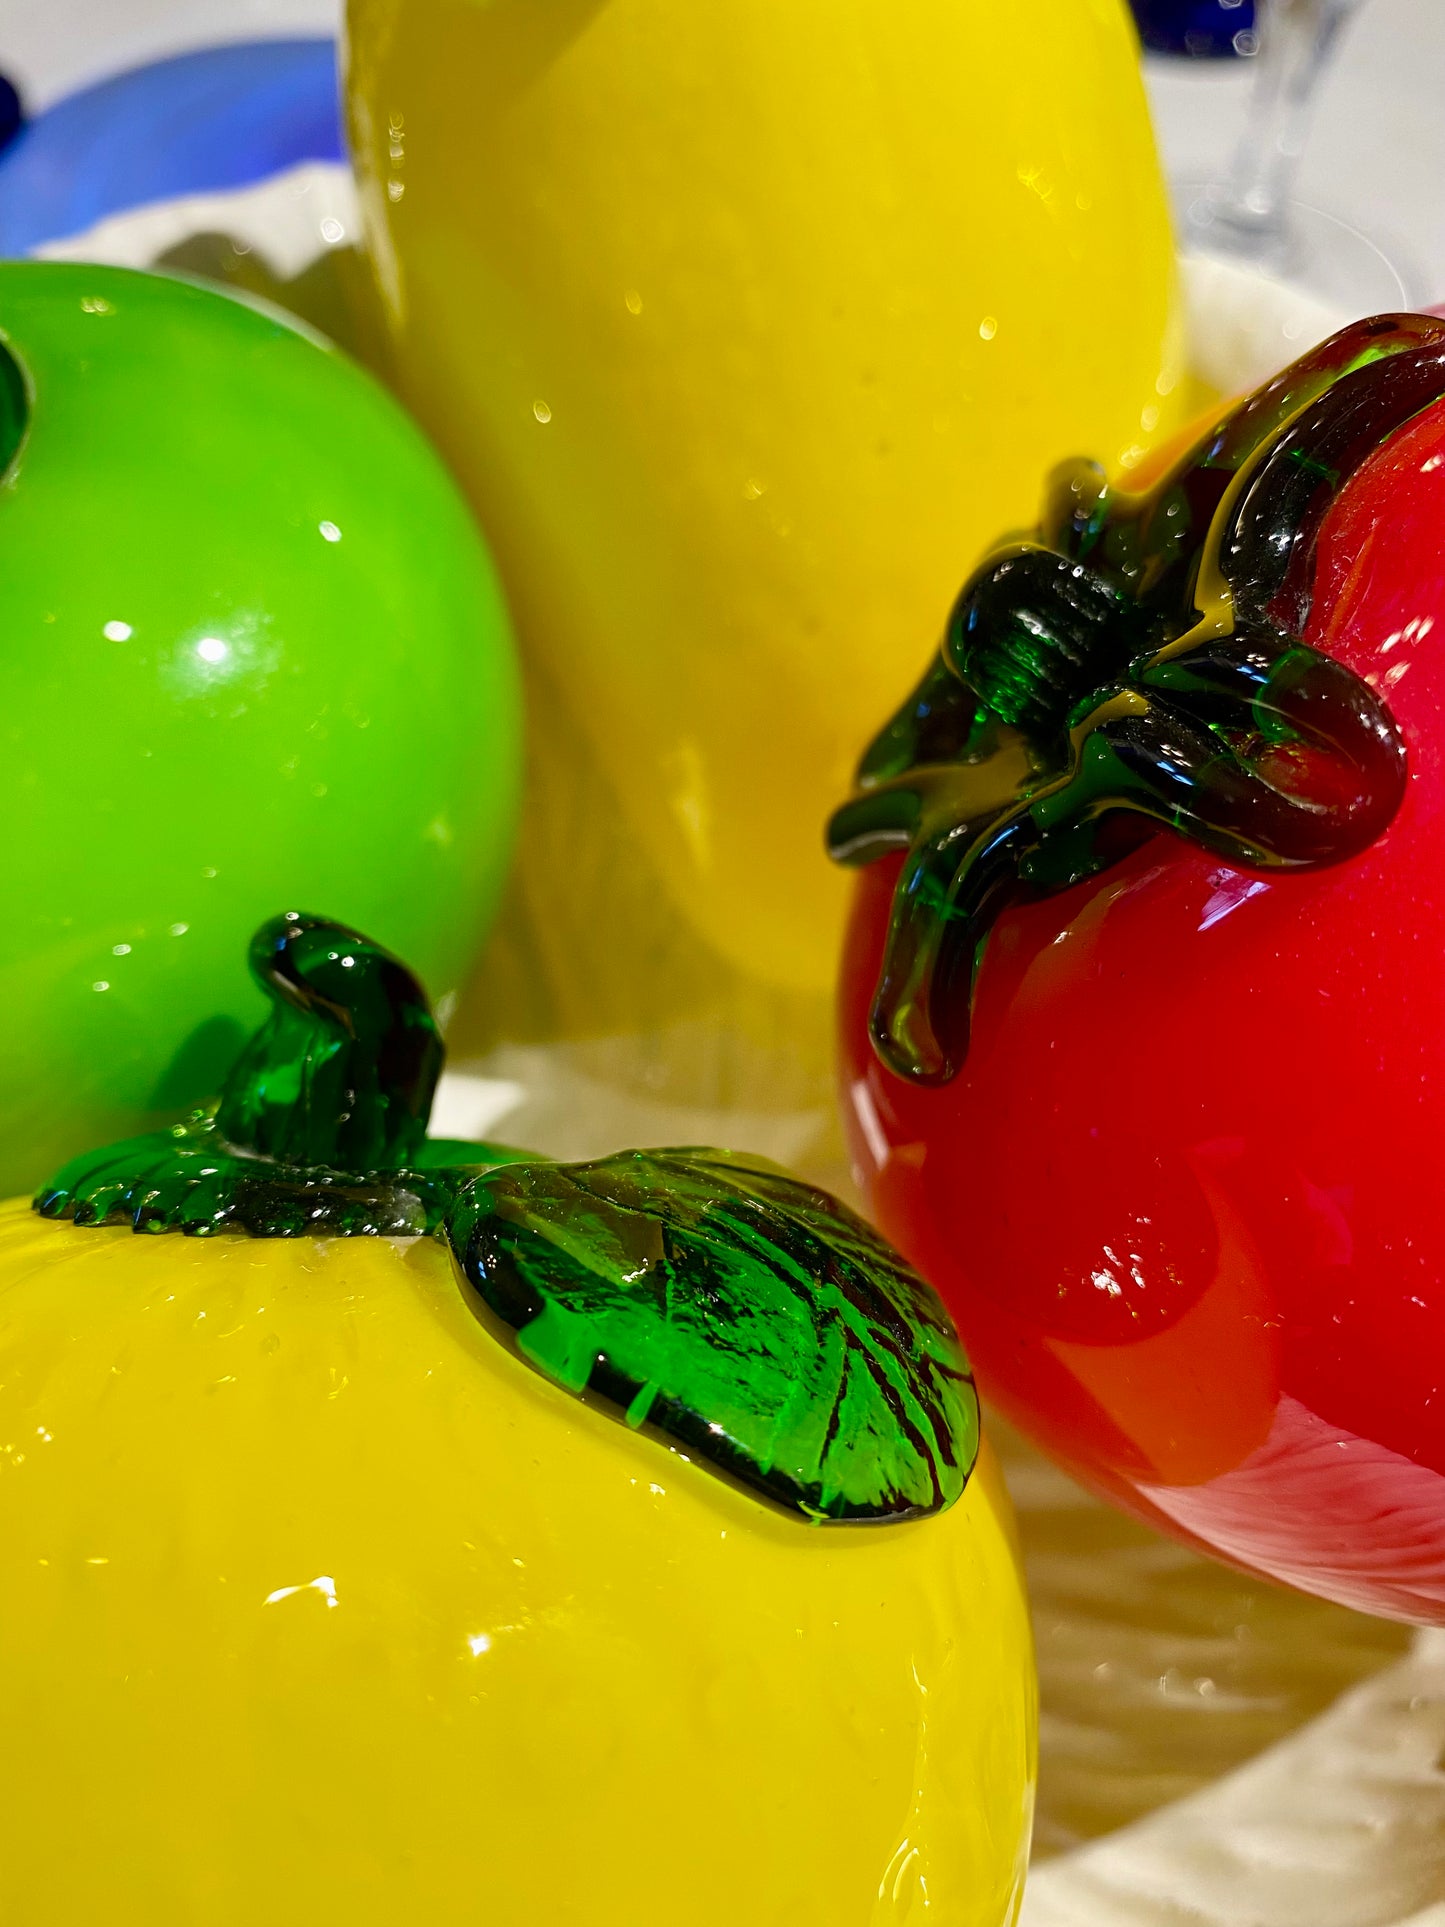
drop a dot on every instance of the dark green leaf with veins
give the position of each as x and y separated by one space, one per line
1138 666
746 1316
732 1311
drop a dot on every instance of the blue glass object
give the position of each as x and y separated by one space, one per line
223 117
12 112
1202 29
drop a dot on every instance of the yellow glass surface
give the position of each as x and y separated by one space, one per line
317 1606
747 325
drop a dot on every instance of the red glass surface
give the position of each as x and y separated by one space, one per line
1187 1196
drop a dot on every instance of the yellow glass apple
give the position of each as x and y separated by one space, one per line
320 1606
336 1588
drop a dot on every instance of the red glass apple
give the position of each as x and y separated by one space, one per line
1185 1190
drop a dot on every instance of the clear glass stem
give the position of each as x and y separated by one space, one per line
1298 39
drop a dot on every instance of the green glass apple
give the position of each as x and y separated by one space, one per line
252 653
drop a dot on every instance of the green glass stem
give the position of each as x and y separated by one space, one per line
1139 665
343 1073
709 1299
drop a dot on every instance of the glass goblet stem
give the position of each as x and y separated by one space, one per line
1297 41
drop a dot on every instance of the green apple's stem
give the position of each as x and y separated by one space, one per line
14 408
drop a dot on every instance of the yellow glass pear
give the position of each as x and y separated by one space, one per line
747 325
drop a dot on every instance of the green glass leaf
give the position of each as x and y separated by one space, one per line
190 1179
705 1296
1136 666
321 1125
747 1318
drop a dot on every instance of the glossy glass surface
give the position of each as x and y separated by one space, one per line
1182 1197
12 112
344 1069
1138 662
743 1316
459 1646
322 1606
1202 29
251 650
746 326
711 1298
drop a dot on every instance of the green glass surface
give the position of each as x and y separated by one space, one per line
748 1317
321 1122
252 651
1138 666
344 1070
734 1312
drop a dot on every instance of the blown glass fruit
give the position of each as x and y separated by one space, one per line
1157 1113
252 644
484 1537
735 320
